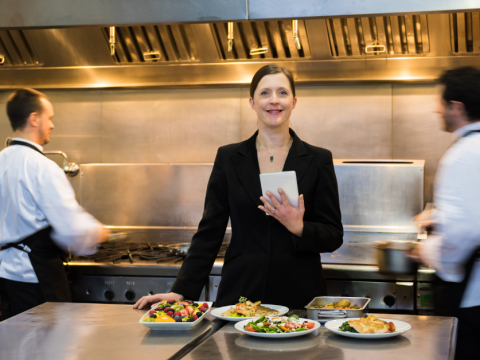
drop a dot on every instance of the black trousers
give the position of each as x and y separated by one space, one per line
17 297
468 334
448 297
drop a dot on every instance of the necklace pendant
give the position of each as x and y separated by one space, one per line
271 158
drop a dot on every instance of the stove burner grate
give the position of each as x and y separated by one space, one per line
134 252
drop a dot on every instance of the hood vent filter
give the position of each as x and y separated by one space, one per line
378 36
153 44
253 36
16 50
465 31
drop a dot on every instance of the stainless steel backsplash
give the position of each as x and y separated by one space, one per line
164 202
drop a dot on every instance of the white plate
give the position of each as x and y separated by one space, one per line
400 326
175 325
218 312
240 326
295 344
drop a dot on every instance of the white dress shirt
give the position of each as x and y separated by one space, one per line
35 193
457 229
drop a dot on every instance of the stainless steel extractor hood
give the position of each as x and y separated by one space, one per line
185 43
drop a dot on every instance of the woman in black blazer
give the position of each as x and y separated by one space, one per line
274 258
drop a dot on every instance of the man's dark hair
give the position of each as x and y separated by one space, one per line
21 104
270 70
463 85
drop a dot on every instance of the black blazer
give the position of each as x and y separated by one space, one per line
264 260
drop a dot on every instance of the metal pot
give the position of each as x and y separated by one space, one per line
392 257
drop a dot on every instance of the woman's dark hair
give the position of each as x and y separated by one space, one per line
21 104
463 85
270 70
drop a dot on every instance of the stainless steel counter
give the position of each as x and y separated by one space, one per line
97 331
91 331
431 337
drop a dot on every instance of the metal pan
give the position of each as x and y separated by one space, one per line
179 249
392 257
329 314
117 237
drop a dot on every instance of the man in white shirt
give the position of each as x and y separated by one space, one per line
39 217
453 248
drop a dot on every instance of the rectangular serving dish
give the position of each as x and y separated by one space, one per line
175 325
330 314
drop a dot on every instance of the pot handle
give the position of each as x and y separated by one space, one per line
332 314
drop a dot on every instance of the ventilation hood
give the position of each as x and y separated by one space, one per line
187 42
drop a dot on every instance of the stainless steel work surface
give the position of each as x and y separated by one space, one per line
90 331
431 337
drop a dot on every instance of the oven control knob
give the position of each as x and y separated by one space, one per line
389 300
109 295
130 295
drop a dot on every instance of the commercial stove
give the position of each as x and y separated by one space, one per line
123 272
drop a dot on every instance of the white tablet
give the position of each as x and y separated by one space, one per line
285 180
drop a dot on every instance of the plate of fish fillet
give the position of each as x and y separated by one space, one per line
244 311
369 327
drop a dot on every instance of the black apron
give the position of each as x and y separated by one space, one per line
448 295
46 258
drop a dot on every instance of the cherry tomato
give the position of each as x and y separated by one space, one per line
310 325
289 326
249 328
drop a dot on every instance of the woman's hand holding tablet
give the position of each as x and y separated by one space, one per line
289 216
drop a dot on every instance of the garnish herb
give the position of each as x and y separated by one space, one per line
346 327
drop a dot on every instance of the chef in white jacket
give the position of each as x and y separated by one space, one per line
39 217
453 249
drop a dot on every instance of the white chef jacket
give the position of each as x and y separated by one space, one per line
457 219
35 193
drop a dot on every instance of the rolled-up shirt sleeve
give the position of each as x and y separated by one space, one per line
73 228
457 230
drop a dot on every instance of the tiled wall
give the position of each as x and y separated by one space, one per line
387 121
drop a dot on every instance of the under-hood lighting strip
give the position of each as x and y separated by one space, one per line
230 36
112 40
259 51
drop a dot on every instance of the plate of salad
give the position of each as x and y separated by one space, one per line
246 309
277 326
175 315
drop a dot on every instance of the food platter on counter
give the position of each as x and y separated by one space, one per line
242 325
326 308
282 310
172 325
400 328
